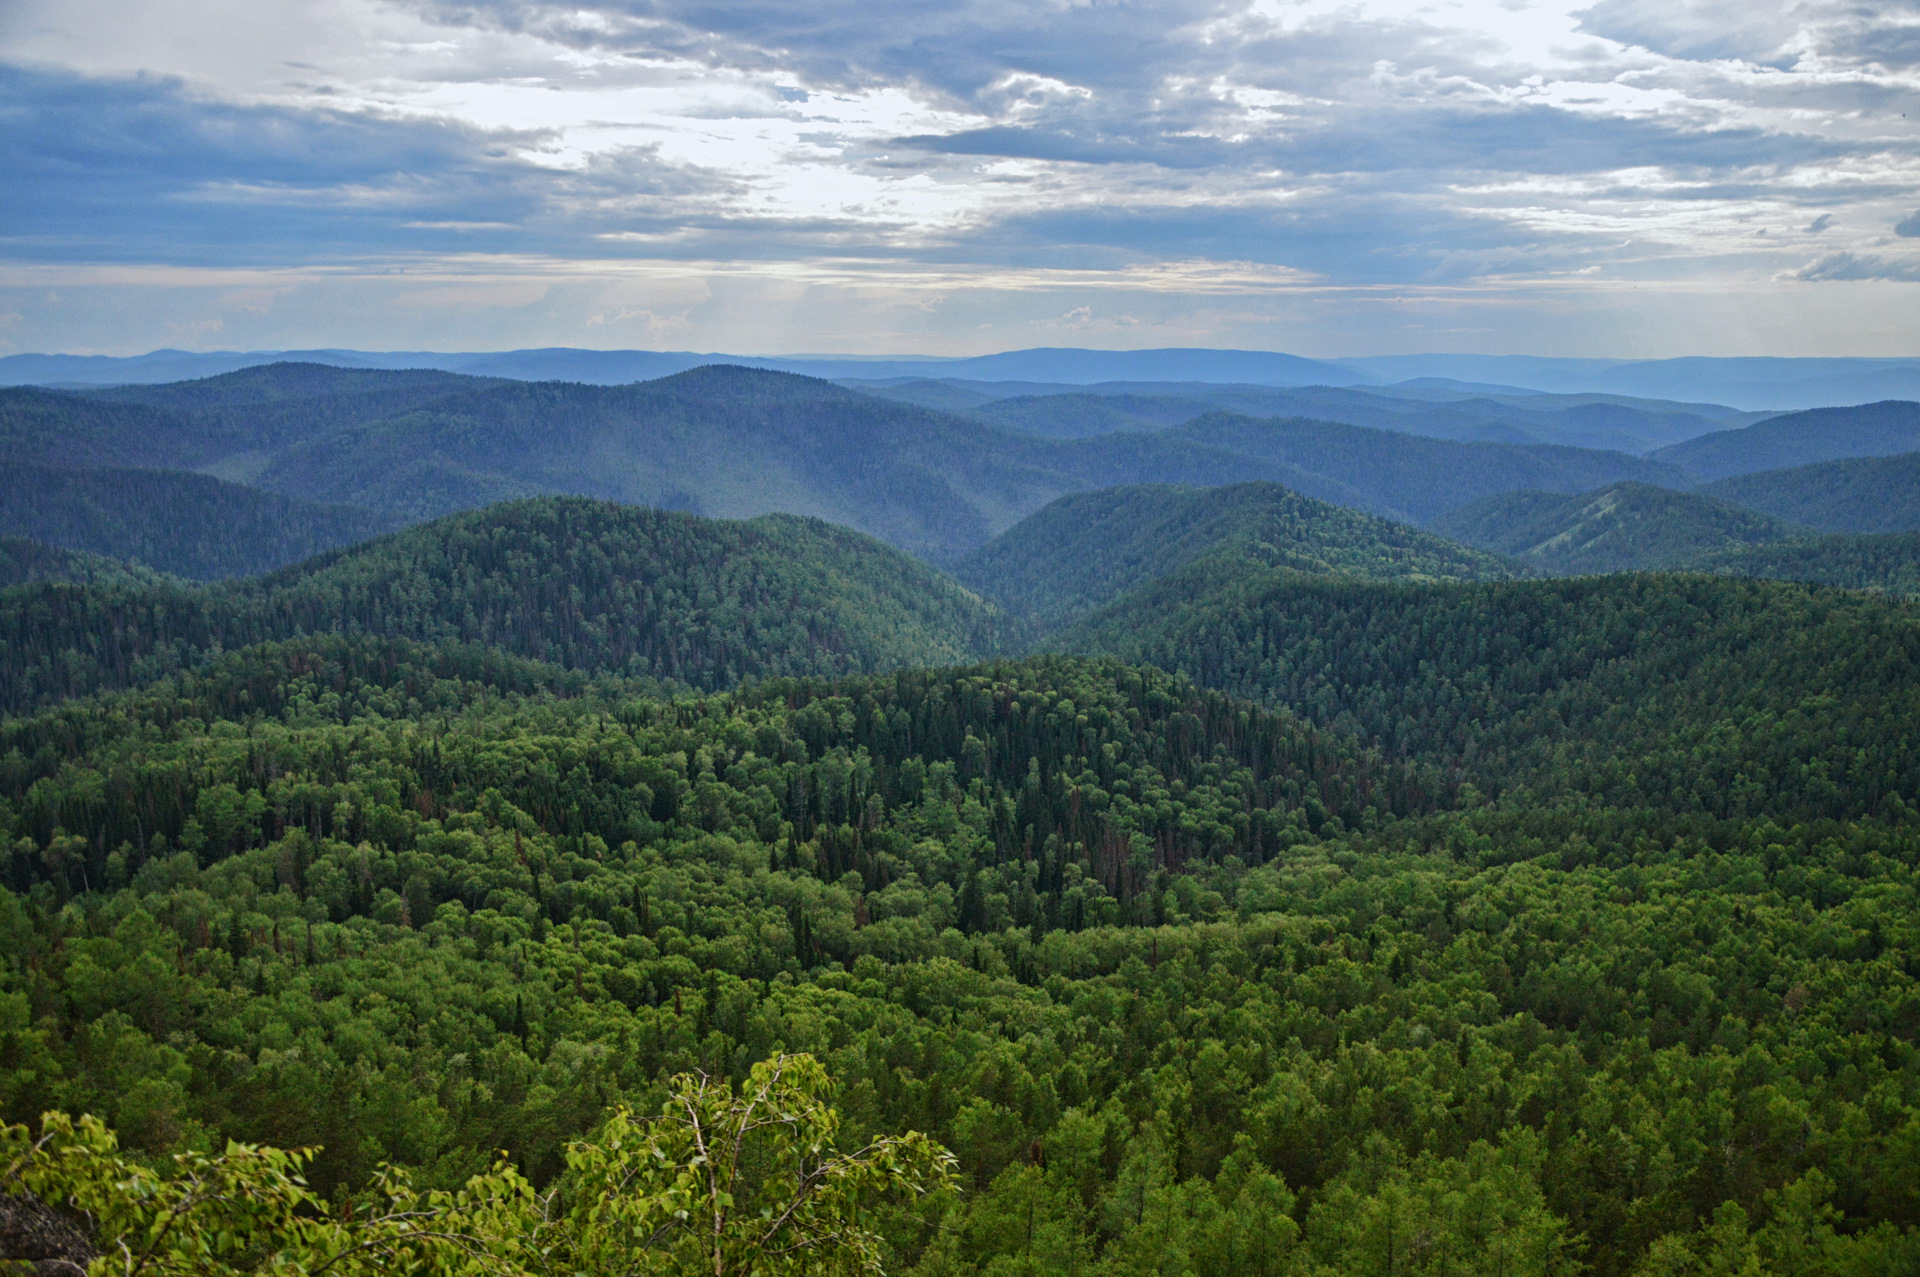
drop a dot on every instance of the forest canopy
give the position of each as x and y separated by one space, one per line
1199 880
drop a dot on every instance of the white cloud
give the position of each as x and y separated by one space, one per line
1356 144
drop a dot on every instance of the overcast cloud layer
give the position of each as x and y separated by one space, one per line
1624 178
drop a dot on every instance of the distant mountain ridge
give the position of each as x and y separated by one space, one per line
1823 434
1746 383
736 442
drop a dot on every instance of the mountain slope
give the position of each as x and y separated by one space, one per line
41 427
1861 494
240 419
1717 695
23 562
582 584
1083 551
1413 477
1888 564
1800 438
738 442
728 442
174 521
226 425
1620 527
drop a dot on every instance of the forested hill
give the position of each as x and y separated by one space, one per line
1185 985
1617 528
23 561
174 521
229 425
1887 564
1860 494
41 427
587 585
1714 694
1083 551
735 442
242 420
1408 477
718 441
1800 438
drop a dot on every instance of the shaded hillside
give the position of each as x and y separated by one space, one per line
1083 551
1412 477
1719 695
1583 421
1078 416
241 419
23 562
1861 494
735 442
1888 564
43 427
582 584
174 521
1620 527
1800 438
717 441
227 425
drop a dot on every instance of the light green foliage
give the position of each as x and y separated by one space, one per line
746 1186
246 1210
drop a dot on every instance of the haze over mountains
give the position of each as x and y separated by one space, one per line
1747 384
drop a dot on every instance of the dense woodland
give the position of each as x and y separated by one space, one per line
584 584
1879 564
1617 528
1861 494
174 522
1085 551
1234 884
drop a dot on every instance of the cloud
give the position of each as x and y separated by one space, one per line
1355 144
143 168
1908 226
1858 266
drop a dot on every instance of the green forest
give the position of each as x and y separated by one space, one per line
1198 881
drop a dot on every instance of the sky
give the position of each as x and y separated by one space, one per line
1628 178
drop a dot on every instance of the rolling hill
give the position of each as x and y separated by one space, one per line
581 584
738 442
1487 415
24 562
1860 494
1712 694
1408 477
1621 527
1888 564
174 521
1800 438
1083 551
